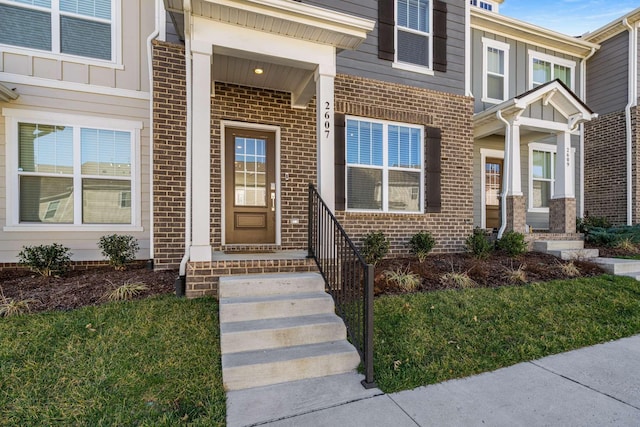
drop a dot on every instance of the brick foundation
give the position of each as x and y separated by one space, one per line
562 215
516 214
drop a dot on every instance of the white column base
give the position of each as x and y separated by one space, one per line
200 253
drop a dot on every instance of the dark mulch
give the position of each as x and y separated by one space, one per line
492 272
81 287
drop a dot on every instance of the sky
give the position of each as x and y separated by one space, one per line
571 17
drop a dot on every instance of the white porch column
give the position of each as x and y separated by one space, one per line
201 149
325 134
514 172
564 187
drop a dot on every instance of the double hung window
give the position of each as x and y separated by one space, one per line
542 178
544 68
82 28
413 32
495 75
384 166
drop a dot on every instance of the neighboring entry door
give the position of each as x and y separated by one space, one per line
492 190
250 186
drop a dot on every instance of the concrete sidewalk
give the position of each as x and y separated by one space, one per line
593 386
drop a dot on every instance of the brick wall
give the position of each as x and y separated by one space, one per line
453 115
169 155
605 167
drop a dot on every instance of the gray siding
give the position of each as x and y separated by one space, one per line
607 75
364 62
518 68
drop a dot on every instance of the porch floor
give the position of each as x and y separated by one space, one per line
257 256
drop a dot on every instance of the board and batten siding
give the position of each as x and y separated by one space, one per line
364 61
518 67
607 75
83 244
137 22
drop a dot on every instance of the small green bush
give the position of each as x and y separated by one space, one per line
584 225
512 243
119 249
478 244
421 244
46 260
374 247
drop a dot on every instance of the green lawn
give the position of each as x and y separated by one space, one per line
432 337
152 362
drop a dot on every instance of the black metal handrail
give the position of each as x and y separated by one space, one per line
348 278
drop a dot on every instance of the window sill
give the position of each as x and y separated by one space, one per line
384 213
492 101
74 228
62 57
413 68
538 210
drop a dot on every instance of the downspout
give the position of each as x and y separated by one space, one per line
627 111
150 39
583 96
505 176
467 50
189 89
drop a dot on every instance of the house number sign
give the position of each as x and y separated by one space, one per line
568 156
327 119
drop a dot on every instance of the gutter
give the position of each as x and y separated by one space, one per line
187 219
505 176
583 96
632 100
150 39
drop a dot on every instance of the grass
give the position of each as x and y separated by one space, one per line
153 362
427 338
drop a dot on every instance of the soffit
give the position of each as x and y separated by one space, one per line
613 28
523 31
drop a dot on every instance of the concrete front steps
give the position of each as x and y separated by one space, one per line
276 328
620 267
566 249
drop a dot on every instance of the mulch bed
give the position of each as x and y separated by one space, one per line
492 272
81 287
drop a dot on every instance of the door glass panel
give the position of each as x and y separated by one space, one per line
250 180
492 184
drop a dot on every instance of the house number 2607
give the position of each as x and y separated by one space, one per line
327 119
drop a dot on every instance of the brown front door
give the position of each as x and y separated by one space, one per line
492 189
250 186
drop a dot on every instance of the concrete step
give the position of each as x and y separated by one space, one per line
251 335
618 266
632 274
557 245
269 284
240 309
264 367
575 254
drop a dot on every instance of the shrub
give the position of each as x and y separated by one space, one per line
46 260
512 243
584 225
457 280
478 244
374 247
421 244
404 279
119 249
517 275
569 269
627 245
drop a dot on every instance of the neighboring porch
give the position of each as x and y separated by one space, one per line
528 162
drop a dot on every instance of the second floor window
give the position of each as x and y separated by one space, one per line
413 32
544 68
495 76
72 27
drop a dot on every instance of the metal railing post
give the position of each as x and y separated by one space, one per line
368 329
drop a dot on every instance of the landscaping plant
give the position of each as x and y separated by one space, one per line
126 291
404 279
421 244
46 260
119 249
512 243
374 247
478 244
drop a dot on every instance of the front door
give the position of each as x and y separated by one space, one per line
250 186
492 190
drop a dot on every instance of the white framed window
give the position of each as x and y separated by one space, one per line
486 5
495 75
385 166
68 172
85 29
413 39
543 68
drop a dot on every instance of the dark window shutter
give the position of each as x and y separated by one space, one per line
433 170
439 35
386 30
340 161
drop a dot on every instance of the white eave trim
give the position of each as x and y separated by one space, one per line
526 32
7 94
613 28
320 21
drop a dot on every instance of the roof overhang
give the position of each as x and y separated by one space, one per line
7 94
614 27
523 31
553 93
284 17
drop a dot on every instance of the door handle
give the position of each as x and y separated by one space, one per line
273 201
